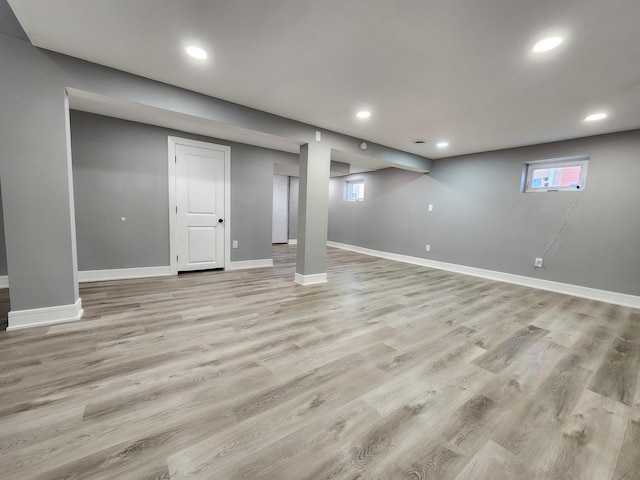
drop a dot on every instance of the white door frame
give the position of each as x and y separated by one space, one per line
286 206
173 245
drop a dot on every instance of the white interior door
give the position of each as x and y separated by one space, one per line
280 223
200 221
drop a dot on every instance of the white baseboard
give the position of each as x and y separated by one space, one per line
4 281
312 279
39 317
123 273
293 241
607 296
244 264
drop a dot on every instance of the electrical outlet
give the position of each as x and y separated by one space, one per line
427 248
538 263
235 244
431 207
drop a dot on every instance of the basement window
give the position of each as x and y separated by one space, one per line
567 174
355 191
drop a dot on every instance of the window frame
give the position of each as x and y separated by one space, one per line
529 167
348 185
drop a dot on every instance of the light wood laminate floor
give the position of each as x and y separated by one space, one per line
388 371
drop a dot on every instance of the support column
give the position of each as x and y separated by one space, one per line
37 189
313 214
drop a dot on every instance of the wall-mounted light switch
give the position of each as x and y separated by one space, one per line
431 207
235 244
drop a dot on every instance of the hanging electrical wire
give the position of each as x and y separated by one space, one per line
562 227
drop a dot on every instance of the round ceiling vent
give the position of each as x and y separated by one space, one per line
419 141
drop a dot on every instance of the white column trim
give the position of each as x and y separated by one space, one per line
38 317
607 296
72 205
313 279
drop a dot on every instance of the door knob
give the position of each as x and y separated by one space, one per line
220 220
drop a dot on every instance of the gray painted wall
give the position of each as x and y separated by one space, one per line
35 158
294 187
252 200
481 219
120 170
3 250
9 24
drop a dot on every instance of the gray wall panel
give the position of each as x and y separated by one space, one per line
252 200
481 219
389 217
120 169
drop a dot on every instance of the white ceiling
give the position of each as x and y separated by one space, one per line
459 70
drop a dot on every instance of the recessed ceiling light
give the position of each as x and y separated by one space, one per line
594 117
196 52
443 144
363 114
547 44
419 141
